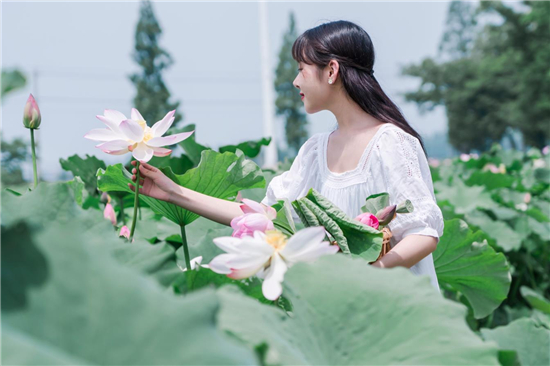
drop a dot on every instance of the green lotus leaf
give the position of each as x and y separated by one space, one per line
217 175
343 314
524 336
464 261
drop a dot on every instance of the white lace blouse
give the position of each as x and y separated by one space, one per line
393 162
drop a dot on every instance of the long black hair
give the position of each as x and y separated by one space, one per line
352 47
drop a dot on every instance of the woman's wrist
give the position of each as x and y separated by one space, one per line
176 196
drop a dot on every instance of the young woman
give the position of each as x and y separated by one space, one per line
372 150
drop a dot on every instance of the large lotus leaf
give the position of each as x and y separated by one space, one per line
505 237
526 337
346 312
464 261
157 260
535 299
217 175
12 80
66 300
250 148
204 246
48 202
362 239
179 164
490 180
85 168
463 198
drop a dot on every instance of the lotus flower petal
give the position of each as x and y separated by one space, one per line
136 116
132 130
168 140
160 151
114 115
142 152
114 145
272 287
302 240
112 125
102 134
160 127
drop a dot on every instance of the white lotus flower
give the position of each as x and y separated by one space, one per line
268 255
124 135
194 262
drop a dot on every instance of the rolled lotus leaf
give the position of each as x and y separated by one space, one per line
330 225
405 207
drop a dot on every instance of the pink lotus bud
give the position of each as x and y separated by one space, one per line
368 219
527 197
31 114
109 213
124 231
546 150
386 214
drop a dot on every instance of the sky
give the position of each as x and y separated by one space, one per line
77 56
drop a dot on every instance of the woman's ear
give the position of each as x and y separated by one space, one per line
333 69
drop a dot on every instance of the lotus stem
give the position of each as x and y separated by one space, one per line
186 256
34 159
136 202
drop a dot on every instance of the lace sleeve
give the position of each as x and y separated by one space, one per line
406 175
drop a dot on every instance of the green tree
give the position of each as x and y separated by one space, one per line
14 154
152 98
489 73
288 102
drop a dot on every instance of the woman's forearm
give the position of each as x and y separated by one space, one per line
215 209
409 251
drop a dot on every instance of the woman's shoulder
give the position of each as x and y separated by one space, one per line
311 145
394 136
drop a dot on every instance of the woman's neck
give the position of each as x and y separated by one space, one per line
351 118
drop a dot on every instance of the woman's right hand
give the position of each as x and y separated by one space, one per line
153 182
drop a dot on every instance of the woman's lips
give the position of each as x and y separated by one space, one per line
301 95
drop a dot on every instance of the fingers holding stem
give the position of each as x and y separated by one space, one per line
136 200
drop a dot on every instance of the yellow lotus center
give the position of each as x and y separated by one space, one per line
276 239
147 134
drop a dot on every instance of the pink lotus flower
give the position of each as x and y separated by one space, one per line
124 135
109 213
464 157
268 255
545 150
368 219
255 218
527 197
124 231
433 162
